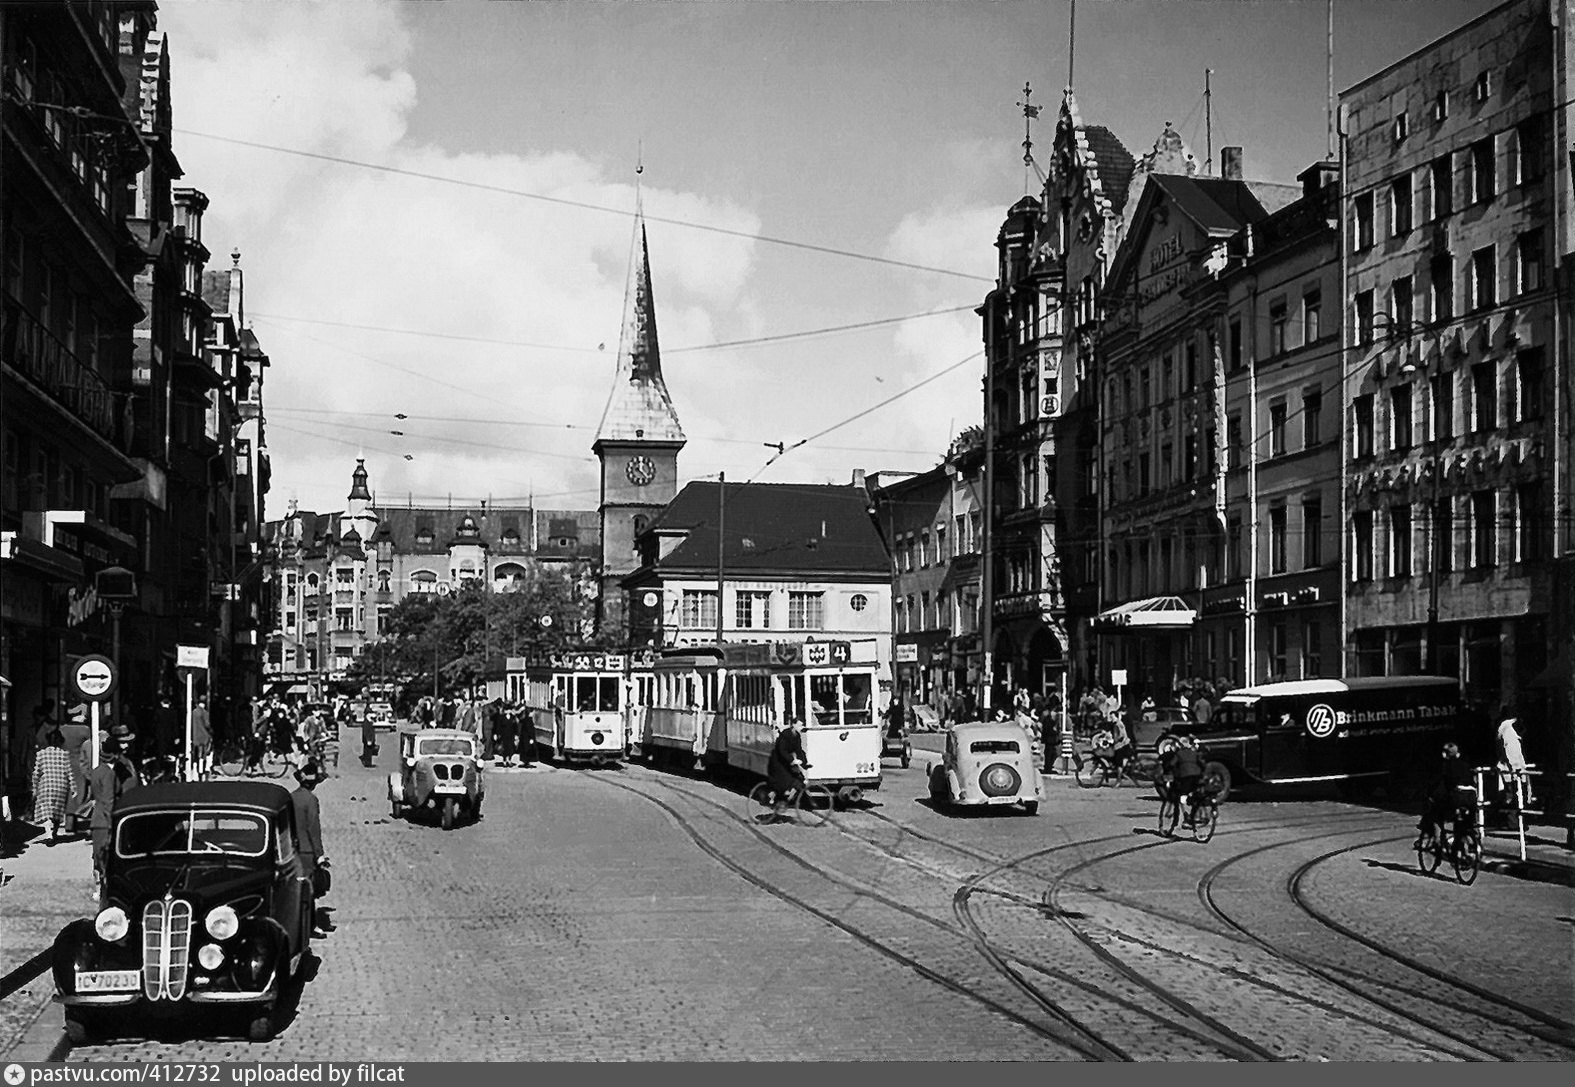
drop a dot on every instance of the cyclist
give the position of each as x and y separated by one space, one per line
1184 770
785 767
1113 745
1452 791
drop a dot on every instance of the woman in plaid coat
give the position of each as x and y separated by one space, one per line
51 783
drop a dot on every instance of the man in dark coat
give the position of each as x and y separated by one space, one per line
309 829
785 767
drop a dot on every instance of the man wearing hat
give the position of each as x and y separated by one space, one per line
78 734
309 825
113 775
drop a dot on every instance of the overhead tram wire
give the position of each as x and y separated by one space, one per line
587 206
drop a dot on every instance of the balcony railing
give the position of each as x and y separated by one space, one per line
36 352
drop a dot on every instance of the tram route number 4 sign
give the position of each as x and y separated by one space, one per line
93 677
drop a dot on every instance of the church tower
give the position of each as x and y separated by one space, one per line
637 444
358 506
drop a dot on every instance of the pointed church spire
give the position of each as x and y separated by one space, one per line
640 408
358 481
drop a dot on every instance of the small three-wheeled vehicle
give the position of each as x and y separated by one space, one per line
440 772
206 901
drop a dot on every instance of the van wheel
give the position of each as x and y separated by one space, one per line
261 1027
1217 775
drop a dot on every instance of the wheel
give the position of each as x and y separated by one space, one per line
814 805
449 806
1031 807
261 1027
274 765
231 760
1166 742
1467 856
1204 819
393 809
760 807
1168 814
1216 778
1090 775
1428 853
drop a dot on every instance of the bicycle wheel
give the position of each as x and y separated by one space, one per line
1090 774
761 807
1204 818
230 760
813 806
1428 852
1168 814
1467 857
274 765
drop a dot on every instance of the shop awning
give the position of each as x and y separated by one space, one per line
1155 613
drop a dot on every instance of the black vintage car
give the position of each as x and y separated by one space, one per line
205 902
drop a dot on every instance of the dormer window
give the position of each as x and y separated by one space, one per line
467 527
424 532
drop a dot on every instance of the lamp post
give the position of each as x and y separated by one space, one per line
116 586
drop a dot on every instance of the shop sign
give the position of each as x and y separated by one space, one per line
907 653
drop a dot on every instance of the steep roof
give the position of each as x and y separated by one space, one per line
1215 204
639 409
800 528
1114 162
505 530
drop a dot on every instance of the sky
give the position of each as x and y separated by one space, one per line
434 205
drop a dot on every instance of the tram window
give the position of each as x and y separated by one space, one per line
584 694
792 700
856 688
825 694
607 694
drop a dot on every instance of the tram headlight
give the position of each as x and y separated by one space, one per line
112 924
597 738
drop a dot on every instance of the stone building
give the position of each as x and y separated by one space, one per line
1456 213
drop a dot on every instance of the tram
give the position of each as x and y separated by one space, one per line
724 705
580 703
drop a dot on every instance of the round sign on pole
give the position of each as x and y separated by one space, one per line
93 677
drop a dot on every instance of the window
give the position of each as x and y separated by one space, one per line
1277 648
1312 649
1400 205
1143 398
1484 529
1277 429
344 576
698 609
926 619
858 601
1528 262
1441 106
1483 279
1312 532
1443 542
1362 434
1483 179
1401 301
1364 317
924 548
1233 548
1484 398
1362 207
1528 522
804 611
1191 374
1145 481
1482 87
1235 343
344 618
1312 418
1401 127
1167 377
1189 457
940 544
1277 322
1528 385
1312 316
383 579
752 610
1277 550
1362 546
1443 413
1527 166
1441 184
1442 274
1167 465
1233 449
1400 420
1400 541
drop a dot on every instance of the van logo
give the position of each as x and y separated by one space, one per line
1320 720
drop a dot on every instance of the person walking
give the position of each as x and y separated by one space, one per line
197 768
503 734
368 739
309 834
113 775
51 783
78 735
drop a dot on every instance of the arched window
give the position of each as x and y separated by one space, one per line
383 578
423 581
507 577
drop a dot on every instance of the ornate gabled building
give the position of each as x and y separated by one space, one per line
636 444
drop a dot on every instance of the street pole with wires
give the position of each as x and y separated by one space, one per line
721 538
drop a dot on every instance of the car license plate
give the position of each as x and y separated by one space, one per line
449 787
108 981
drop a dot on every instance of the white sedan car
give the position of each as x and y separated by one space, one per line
987 763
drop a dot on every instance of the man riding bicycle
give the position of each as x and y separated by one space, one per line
1453 791
1183 768
1113 745
785 767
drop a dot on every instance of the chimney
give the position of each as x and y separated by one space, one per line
858 477
1230 163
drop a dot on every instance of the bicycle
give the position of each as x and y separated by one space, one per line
809 805
1203 811
1100 769
1460 841
251 757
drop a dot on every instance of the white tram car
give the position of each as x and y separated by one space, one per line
715 706
580 704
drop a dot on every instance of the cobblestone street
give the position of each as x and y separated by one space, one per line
634 914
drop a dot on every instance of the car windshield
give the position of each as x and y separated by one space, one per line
450 746
164 832
993 747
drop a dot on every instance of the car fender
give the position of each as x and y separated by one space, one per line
396 789
76 944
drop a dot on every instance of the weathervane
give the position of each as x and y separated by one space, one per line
1029 113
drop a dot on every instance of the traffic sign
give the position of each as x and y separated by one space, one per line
93 677
191 656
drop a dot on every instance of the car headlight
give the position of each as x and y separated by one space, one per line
112 924
211 956
222 923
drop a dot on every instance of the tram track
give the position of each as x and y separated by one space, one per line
1511 1034
1014 966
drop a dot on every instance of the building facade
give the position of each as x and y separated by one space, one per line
1456 212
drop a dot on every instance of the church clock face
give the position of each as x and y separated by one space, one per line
640 470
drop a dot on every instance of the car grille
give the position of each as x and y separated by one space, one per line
166 948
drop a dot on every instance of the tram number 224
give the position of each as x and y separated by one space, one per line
864 768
